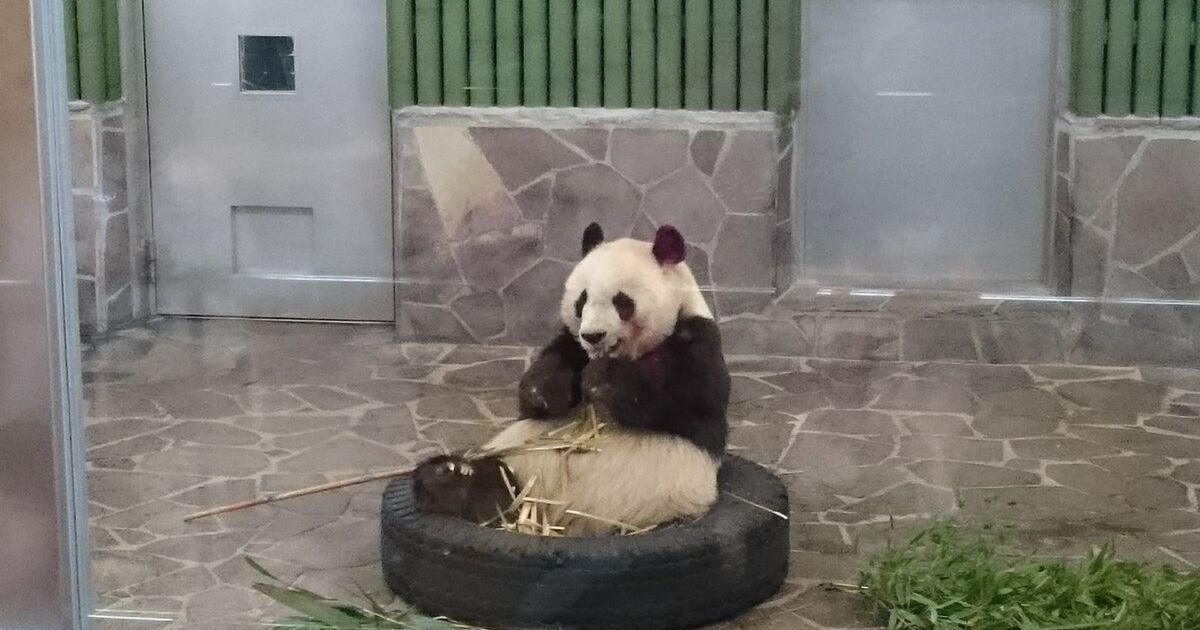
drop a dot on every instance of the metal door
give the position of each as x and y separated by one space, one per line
925 135
270 149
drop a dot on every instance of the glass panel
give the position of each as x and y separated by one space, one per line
268 63
43 509
975 304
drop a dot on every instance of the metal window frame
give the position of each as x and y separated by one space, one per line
44 564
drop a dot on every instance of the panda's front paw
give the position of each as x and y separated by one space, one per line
611 383
440 483
455 486
546 392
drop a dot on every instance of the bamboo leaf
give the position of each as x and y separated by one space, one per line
317 608
261 570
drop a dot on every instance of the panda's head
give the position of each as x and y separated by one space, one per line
624 297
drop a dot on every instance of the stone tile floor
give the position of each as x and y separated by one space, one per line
184 414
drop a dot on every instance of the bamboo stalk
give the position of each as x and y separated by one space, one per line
761 507
625 527
543 501
291 494
588 424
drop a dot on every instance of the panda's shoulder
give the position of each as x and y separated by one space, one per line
696 329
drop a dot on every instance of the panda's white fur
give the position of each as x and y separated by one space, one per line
640 479
637 478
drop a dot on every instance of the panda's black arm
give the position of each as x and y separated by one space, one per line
692 400
695 396
550 387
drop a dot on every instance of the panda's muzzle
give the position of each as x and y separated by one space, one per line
593 338
595 344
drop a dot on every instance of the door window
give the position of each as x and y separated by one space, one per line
268 63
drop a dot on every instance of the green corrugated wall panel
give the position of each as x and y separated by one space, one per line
1128 56
795 56
697 51
752 55
72 49
429 51
1177 57
1148 58
724 54
1076 10
616 53
562 53
535 45
668 54
589 52
454 52
508 52
698 54
482 47
89 20
112 50
1135 57
781 44
402 74
1118 64
1196 64
641 53
1088 57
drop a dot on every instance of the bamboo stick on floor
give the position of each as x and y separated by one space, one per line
291 494
588 421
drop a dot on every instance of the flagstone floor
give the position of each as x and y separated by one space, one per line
183 414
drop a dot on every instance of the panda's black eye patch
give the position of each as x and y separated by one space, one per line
579 304
625 306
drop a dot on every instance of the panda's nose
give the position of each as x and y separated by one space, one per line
593 337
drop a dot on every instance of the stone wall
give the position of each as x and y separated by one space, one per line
1132 192
1123 274
110 164
111 220
492 205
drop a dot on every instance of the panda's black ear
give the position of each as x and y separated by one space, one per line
669 247
592 237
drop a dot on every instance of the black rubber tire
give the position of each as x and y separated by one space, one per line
681 576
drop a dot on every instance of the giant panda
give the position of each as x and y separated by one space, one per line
640 344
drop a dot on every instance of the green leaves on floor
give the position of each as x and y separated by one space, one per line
948 579
944 579
315 611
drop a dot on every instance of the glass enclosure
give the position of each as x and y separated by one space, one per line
951 247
